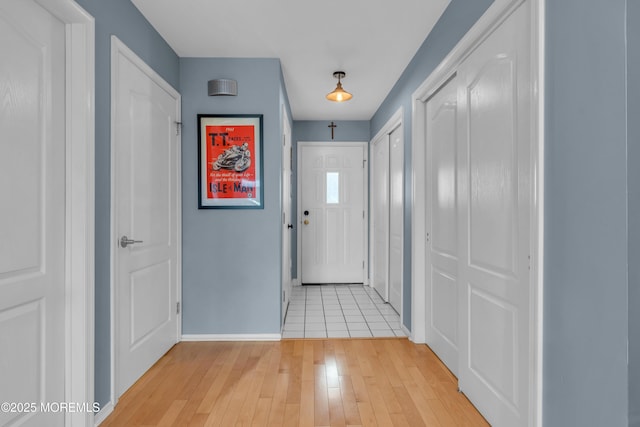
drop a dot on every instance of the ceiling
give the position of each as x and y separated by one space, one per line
371 40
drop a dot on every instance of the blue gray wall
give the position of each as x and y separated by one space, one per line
318 130
585 280
120 18
633 182
457 19
231 276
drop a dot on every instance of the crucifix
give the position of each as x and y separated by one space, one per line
332 126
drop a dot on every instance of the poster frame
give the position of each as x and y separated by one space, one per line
207 174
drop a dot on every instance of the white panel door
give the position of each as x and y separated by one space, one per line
146 165
32 213
332 216
441 224
495 201
287 221
380 217
396 213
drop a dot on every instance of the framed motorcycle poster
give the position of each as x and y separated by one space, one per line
230 161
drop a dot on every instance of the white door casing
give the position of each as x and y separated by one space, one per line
32 213
287 220
396 216
380 216
494 206
145 209
332 192
441 223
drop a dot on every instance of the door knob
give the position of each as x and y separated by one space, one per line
125 241
306 222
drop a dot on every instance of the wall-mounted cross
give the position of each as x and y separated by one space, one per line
332 126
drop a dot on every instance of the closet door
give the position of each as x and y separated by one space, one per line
494 206
441 224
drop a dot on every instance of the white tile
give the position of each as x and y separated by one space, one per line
337 326
395 325
352 312
334 319
315 334
373 318
294 319
378 325
382 333
314 327
313 320
399 333
294 326
354 318
360 334
357 326
338 334
332 312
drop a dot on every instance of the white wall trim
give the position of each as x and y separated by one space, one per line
364 144
79 205
537 218
494 15
231 337
118 48
105 411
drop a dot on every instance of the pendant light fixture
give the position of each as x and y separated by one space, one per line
339 94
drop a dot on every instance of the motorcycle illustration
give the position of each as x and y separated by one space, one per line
237 158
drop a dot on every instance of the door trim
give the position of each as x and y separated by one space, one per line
117 48
396 120
365 233
286 133
493 17
79 204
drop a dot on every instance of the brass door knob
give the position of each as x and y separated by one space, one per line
306 222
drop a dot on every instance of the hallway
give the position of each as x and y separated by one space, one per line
339 311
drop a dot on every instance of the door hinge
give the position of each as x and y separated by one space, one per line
362 214
178 308
178 128
363 264
364 162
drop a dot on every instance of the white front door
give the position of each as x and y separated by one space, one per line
32 214
380 217
441 224
146 168
494 205
332 194
287 221
396 214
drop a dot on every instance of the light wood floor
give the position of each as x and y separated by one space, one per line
333 382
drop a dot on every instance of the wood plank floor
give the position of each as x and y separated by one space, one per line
329 382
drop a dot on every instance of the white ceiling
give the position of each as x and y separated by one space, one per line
371 40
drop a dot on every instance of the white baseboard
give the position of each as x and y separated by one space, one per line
231 337
105 411
405 330
294 282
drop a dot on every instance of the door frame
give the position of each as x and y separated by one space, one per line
117 48
394 122
286 133
365 234
79 204
493 17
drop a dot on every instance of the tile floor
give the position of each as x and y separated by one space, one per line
339 311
